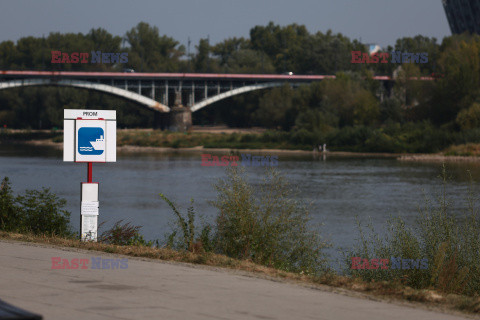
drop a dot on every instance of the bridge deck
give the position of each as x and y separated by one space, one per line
175 76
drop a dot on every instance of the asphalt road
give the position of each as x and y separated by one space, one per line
148 289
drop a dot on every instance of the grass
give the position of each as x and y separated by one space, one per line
167 139
449 244
469 149
27 135
239 140
156 138
381 290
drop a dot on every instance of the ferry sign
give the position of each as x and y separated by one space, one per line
89 135
90 141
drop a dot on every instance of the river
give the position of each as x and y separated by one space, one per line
338 188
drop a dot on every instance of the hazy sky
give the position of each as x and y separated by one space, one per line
374 21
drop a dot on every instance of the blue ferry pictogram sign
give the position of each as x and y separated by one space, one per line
91 141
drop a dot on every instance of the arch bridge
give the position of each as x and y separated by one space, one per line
162 92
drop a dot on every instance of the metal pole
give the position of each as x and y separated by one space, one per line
166 93
90 172
193 94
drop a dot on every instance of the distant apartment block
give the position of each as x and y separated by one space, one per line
463 15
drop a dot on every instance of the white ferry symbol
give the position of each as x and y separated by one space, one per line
98 144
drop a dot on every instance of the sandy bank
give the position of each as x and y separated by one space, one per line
437 158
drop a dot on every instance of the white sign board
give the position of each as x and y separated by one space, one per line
90 135
89 208
89 228
89 211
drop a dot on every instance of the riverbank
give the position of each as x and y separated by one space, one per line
128 149
438 158
222 140
202 149
353 287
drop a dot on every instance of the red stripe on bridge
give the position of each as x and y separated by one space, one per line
184 75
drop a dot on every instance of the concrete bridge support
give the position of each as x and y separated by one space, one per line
179 119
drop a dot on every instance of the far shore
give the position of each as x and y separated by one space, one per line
131 149
437 157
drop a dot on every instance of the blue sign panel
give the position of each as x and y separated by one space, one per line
91 141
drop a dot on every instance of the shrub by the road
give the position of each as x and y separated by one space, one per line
36 211
263 224
450 245
124 235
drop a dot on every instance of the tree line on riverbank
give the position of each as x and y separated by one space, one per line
351 112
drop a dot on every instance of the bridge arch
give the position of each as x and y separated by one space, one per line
234 92
149 103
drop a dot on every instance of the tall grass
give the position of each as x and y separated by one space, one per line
266 224
451 246
263 224
185 235
124 234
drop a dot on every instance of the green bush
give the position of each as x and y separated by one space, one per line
381 142
9 213
469 118
349 138
39 212
303 137
451 246
274 136
266 224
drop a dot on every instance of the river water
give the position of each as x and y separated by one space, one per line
338 188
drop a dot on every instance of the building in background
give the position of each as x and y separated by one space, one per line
463 15
373 48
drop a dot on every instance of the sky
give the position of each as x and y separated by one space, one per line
371 21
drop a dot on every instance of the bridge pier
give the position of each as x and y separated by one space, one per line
178 119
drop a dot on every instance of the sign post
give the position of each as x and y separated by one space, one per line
89 136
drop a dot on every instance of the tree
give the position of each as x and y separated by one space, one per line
202 60
460 62
225 49
282 44
151 52
469 118
8 55
276 108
